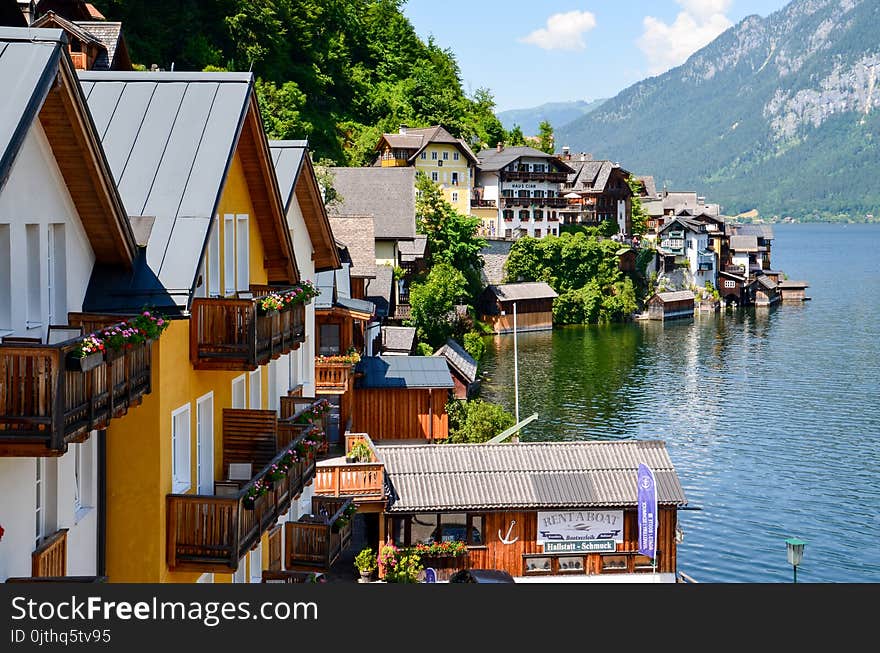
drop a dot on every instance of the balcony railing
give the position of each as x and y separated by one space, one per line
553 202
50 558
362 481
552 177
484 204
46 402
316 541
332 377
232 334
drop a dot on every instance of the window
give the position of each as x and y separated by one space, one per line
506 193
522 193
423 156
433 156
508 214
57 275
213 263
242 258
229 254
181 479
455 179
79 480
643 563
256 390
293 369
553 231
329 340
272 399
5 279
256 566
40 513
508 233
729 283
241 575
537 233
538 566
613 563
205 444
538 193
523 216
439 164
454 197
435 176
570 564
34 298
239 393
539 214
456 156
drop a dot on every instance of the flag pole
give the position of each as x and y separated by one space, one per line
515 371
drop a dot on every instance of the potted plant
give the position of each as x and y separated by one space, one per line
360 452
366 564
87 355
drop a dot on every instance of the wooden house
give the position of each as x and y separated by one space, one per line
564 512
463 368
626 259
93 44
597 191
671 305
793 291
533 301
402 398
61 218
766 291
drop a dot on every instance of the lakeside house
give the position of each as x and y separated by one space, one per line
93 44
684 242
596 191
534 306
793 291
671 305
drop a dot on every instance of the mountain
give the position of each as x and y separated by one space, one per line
778 114
556 113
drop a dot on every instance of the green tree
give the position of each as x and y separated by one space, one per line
475 345
639 217
433 304
547 141
482 421
515 137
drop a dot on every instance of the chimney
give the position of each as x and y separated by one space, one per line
566 152
500 147
28 10
403 130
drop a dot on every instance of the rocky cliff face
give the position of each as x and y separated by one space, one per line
778 113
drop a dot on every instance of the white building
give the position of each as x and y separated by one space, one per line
524 184
684 242
60 215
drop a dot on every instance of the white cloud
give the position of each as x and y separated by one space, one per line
563 31
697 25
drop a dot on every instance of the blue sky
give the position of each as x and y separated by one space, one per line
530 52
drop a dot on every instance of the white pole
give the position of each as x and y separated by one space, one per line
515 370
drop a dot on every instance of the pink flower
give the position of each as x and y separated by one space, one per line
146 313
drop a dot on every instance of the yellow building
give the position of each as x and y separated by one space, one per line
194 170
445 159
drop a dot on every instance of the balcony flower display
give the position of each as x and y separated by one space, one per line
258 489
451 548
89 345
150 325
271 302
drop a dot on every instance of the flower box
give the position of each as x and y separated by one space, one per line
85 363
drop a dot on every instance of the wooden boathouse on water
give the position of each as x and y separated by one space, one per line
671 305
534 306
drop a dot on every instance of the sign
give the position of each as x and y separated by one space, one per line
647 520
521 185
586 546
580 525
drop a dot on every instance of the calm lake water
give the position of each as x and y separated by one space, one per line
770 416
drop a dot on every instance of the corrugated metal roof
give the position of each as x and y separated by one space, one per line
459 359
169 139
410 372
510 292
527 475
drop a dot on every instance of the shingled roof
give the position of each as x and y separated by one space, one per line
744 243
418 139
677 296
461 361
398 340
358 234
492 160
388 194
460 477
512 292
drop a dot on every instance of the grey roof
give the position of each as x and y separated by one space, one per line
764 231
378 290
418 139
744 243
767 282
388 194
287 157
412 250
407 372
528 475
589 175
28 63
492 160
358 305
510 292
398 339
678 296
326 284
109 34
650 185
169 140
461 361
787 284
358 234
686 222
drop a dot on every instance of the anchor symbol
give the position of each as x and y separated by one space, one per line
506 538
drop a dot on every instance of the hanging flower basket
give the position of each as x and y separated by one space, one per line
84 363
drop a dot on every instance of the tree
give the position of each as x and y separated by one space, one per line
515 137
433 304
639 217
478 421
547 141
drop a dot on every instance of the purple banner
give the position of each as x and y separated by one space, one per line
647 512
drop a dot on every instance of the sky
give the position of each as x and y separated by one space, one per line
528 52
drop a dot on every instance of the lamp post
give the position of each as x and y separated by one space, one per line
795 551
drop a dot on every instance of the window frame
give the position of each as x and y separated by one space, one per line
181 456
242 253
229 253
255 396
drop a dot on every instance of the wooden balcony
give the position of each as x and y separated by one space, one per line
484 204
212 533
316 541
232 334
549 202
362 481
50 558
551 177
46 404
332 377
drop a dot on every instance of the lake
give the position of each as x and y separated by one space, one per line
770 415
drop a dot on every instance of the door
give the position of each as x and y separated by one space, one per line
205 444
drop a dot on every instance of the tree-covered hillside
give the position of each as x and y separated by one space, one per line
338 72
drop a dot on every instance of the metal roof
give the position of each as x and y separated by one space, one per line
511 292
169 139
388 194
525 476
287 157
357 305
461 361
407 372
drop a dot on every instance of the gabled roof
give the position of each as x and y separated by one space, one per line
398 340
744 243
388 194
767 282
70 9
170 140
461 361
511 292
358 234
464 477
413 250
418 139
678 296
296 178
492 160
110 35
687 223
589 176
39 83
764 231
378 290
404 372
650 185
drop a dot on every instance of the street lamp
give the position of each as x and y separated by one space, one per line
795 551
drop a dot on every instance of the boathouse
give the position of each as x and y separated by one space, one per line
766 291
534 306
402 398
562 512
793 291
463 368
671 305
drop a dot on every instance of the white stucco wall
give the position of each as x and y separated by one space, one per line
303 250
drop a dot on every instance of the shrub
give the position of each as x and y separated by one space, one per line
482 421
474 345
